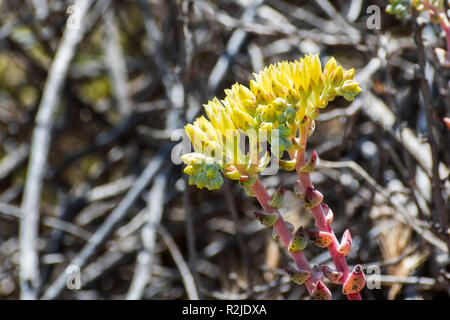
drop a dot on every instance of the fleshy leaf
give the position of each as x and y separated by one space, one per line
332 275
321 292
267 219
277 198
312 198
299 241
346 244
355 281
298 276
320 238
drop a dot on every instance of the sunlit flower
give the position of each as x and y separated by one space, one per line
281 97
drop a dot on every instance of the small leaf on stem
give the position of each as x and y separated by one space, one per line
333 275
312 198
312 163
321 292
320 238
355 281
277 198
297 275
267 219
328 212
287 165
311 128
317 272
275 234
296 145
346 244
299 241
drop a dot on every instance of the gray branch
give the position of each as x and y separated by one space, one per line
29 260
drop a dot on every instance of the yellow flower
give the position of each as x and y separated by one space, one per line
280 98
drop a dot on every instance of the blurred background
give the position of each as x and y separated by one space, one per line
92 92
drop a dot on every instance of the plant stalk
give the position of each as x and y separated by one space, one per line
319 214
285 234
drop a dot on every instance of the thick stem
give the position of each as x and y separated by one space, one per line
285 235
319 214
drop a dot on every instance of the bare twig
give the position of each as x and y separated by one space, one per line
144 263
185 273
29 260
116 63
431 127
105 229
51 222
406 215
234 44
13 160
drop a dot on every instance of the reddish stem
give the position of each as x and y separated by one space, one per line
319 214
285 235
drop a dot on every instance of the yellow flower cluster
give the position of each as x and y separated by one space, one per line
280 99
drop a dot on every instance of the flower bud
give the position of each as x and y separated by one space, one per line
293 96
278 89
330 66
190 169
349 74
350 85
337 76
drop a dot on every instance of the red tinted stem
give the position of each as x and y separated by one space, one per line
319 214
285 234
